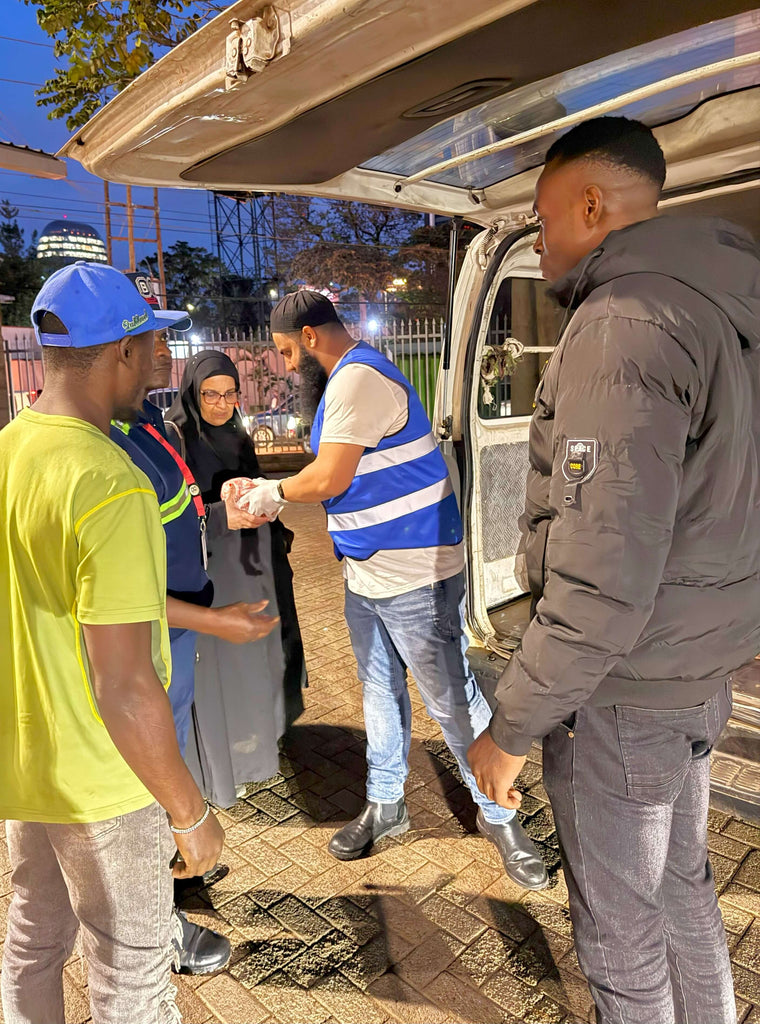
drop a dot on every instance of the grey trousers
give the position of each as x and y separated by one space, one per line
629 788
112 880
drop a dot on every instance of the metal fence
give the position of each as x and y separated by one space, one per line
23 367
270 399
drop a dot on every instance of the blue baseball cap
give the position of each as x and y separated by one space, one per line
97 304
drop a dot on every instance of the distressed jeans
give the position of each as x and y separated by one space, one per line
111 879
422 630
629 788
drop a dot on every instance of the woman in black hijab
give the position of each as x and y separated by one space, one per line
245 695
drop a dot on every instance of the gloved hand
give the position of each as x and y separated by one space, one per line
263 499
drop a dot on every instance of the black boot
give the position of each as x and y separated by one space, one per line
521 859
375 821
197 950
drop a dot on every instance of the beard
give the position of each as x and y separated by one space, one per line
313 383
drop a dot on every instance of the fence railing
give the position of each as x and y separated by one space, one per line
270 399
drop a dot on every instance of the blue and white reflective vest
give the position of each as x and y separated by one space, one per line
401 496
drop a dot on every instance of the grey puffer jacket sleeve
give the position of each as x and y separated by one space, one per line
628 386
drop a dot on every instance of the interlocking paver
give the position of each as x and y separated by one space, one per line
260 959
347 1003
353 921
570 991
735 920
536 959
464 1002
747 952
746 983
458 922
230 1002
403 1003
511 993
299 919
727 847
742 831
428 929
239 881
368 963
251 920
320 960
427 960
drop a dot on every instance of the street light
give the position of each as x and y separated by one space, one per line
273 293
190 307
372 325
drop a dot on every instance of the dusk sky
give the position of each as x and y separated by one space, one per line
26 56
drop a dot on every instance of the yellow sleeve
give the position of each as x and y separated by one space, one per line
121 570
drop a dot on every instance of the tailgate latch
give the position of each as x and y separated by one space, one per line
252 44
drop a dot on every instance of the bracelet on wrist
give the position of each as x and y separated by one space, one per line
192 828
279 492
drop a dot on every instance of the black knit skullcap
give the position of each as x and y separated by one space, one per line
302 309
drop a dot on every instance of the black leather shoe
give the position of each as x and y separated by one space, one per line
521 859
202 951
374 823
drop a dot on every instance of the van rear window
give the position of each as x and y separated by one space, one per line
579 89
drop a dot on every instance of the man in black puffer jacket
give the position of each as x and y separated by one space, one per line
642 550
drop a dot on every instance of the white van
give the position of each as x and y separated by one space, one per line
449 107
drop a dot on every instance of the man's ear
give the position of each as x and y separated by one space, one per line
125 349
308 337
593 204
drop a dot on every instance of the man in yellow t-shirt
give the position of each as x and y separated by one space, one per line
89 762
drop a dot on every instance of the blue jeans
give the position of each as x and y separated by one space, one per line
422 630
181 691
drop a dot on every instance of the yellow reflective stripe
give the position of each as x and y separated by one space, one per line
167 505
114 497
170 516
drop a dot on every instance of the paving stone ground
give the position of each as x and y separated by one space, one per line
427 930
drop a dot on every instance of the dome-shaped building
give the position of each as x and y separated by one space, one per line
71 240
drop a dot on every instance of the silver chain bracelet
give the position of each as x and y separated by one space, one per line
199 822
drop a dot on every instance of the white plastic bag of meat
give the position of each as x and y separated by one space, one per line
237 488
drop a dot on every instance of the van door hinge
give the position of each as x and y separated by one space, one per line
253 44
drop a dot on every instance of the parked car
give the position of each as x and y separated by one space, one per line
457 121
283 420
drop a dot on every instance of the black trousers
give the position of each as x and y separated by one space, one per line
629 788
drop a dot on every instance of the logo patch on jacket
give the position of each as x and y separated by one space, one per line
581 459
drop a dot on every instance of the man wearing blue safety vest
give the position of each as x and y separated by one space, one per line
394 520
189 597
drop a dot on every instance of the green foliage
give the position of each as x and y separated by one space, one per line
104 45
21 273
192 279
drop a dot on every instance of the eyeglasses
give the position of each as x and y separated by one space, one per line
214 398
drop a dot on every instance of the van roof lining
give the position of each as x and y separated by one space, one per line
343 133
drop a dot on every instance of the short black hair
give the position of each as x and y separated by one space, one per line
57 359
619 141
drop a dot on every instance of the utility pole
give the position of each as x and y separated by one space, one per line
130 238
